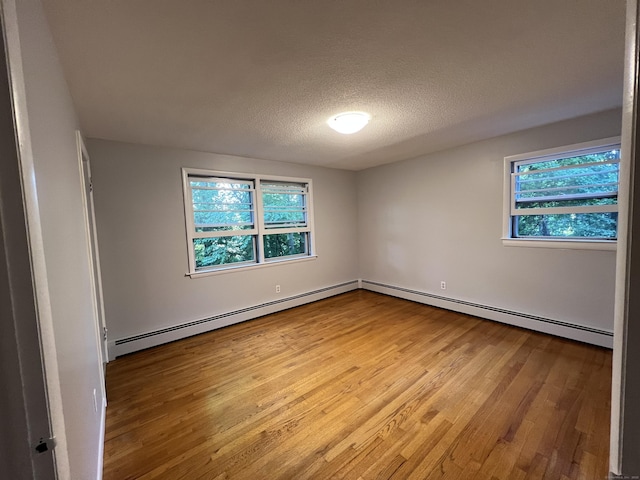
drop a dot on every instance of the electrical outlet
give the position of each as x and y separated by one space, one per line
277 288
443 285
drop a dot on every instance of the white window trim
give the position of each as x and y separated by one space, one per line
243 267
258 232
549 154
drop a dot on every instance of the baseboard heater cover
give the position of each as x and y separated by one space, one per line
573 331
134 343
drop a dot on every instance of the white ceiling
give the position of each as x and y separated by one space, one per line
259 78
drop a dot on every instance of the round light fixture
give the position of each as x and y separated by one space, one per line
349 122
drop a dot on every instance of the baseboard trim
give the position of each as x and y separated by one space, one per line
560 328
153 338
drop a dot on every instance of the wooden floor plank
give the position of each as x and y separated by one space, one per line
360 386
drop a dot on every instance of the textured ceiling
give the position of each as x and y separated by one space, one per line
259 78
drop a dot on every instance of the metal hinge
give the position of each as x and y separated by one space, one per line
104 333
45 445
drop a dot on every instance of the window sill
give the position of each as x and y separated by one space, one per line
244 268
560 243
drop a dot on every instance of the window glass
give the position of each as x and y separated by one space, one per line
284 244
223 250
284 205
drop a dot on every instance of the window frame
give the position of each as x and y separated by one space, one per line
283 230
566 151
258 232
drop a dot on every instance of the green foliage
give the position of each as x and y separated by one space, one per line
223 250
576 225
222 206
283 244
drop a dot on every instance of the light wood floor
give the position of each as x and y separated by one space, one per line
361 386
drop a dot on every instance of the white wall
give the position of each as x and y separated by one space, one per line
414 223
439 218
49 114
143 248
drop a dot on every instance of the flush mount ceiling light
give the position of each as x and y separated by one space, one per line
349 122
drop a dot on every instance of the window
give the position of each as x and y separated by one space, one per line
235 220
564 194
284 207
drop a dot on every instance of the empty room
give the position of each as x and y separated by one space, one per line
312 240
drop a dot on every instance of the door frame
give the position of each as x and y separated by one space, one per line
36 361
624 451
91 230
25 396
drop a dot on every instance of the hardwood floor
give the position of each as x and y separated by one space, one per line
361 386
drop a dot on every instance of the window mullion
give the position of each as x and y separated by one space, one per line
514 181
259 221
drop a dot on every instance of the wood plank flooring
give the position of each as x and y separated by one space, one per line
361 386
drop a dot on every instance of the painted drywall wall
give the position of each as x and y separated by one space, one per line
48 111
439 218
143 249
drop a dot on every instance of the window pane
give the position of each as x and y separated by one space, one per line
284 204
220 196
572 181
222 204
284 244
571 225
221 221
284 218
570 160
223 250
211 182
554 189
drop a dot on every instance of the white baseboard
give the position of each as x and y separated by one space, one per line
559 328
580 333
134 343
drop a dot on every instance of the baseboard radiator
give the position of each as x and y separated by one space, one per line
560 328
141 341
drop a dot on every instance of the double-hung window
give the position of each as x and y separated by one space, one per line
568 194
236 220
285 215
